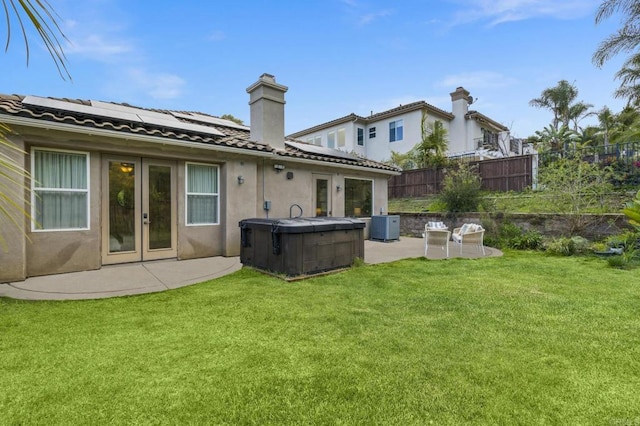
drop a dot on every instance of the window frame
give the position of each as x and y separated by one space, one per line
372 132
331 139
187 193
34 190
372 206
395 127
360 136
341 138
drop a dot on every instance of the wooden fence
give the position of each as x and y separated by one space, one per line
500 174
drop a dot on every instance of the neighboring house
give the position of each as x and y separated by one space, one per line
113 183
400 129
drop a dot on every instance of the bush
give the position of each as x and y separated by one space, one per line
530 240
568 246
512 236
461 189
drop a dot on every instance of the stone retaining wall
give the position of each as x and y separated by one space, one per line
592 227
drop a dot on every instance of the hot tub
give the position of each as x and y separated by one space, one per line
301 246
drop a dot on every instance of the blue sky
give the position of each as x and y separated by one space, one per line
336 56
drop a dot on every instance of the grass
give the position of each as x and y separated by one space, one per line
521 339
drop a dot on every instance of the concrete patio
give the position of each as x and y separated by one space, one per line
149 277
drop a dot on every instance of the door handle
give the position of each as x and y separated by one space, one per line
145 218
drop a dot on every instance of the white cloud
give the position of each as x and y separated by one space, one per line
373 16
156 85
96 47
501 11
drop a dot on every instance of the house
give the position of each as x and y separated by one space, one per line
113 183
400 129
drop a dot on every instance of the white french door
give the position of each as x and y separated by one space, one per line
139 210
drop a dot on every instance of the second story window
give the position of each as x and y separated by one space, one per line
395 131
360 136
331 139
341 137
372 132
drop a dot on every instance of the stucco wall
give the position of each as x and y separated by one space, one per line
50 252
12 240
55 252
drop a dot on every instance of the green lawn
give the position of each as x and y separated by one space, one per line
521 339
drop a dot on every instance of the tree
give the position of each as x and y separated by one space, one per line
575 188
608 123
627 38
42 17
552 139
430 151
561 101
232 118
632 211
404 161
461 188
628 75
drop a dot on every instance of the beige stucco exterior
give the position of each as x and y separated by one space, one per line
32 253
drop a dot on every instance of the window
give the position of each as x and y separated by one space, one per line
361 136
331 139
60 190
202 194
341 137
358 197
395 131
372 132
315 140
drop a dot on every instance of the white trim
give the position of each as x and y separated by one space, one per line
87 155
187 193
373 192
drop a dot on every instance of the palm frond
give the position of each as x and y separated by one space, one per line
41 15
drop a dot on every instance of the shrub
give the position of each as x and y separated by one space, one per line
568 246
461 189
529 240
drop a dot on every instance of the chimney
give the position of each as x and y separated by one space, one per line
460 100
266 98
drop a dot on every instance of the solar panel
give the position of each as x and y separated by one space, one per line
158 118
209 119
321 150
79 108
120 112
130 110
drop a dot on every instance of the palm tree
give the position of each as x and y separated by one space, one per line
629 75
577 112
558 99
607 124
627 38
430 151
43 18
552 139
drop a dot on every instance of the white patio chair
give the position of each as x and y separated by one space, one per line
469 233
436 238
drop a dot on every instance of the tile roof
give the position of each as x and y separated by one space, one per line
233 135
378 116
485 120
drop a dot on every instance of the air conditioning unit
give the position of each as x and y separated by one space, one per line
385 228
